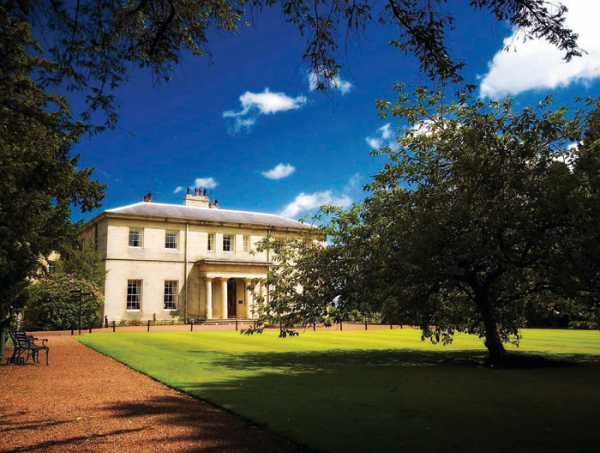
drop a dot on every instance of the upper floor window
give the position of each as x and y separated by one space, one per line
211 242
134 294
246 244
171 240
228 243
170 298
136 237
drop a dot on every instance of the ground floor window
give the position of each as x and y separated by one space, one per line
170 298
134 294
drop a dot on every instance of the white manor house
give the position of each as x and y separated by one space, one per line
190 261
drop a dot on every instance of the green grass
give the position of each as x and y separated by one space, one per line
384 390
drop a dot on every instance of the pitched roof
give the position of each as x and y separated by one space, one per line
206 215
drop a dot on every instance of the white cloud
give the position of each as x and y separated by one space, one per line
385 131
242 123
353 183
537 64
382 135
265 103
206 183
374 143
311 202
337 83
279 171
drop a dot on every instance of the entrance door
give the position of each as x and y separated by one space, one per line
231 298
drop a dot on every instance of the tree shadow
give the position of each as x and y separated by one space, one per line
395 358
386 400
68 442
207 426
6 426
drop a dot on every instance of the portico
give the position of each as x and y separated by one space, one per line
224 290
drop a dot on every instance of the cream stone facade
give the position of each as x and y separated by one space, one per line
185 262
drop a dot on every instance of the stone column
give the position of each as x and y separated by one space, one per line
224 298
261 292
208 284
249 300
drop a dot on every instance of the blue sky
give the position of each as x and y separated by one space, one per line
250 129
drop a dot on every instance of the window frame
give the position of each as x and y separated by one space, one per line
130 296
210 243
231 238
140 238
173 295
176 243
246 243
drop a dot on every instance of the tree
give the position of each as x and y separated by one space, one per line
480 213
39 178
295 288
84 262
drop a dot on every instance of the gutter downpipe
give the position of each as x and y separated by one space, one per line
185 274
267 298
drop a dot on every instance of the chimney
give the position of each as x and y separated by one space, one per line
198 200
148 198
214 205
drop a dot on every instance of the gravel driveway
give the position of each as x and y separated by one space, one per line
85 401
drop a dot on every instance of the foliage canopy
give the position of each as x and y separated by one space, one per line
39 178
480 212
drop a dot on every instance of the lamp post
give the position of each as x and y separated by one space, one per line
77 296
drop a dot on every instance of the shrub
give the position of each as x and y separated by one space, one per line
53 303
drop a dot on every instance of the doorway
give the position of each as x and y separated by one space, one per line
231 298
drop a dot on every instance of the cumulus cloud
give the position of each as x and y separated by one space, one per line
382 137
536 64
178 189
254 105
279 171
206 183
337 83
310 202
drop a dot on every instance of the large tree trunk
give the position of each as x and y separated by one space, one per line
493 340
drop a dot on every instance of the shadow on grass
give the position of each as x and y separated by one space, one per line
395 358
391 400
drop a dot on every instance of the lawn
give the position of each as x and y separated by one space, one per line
384 390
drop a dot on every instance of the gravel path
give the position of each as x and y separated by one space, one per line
86 402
